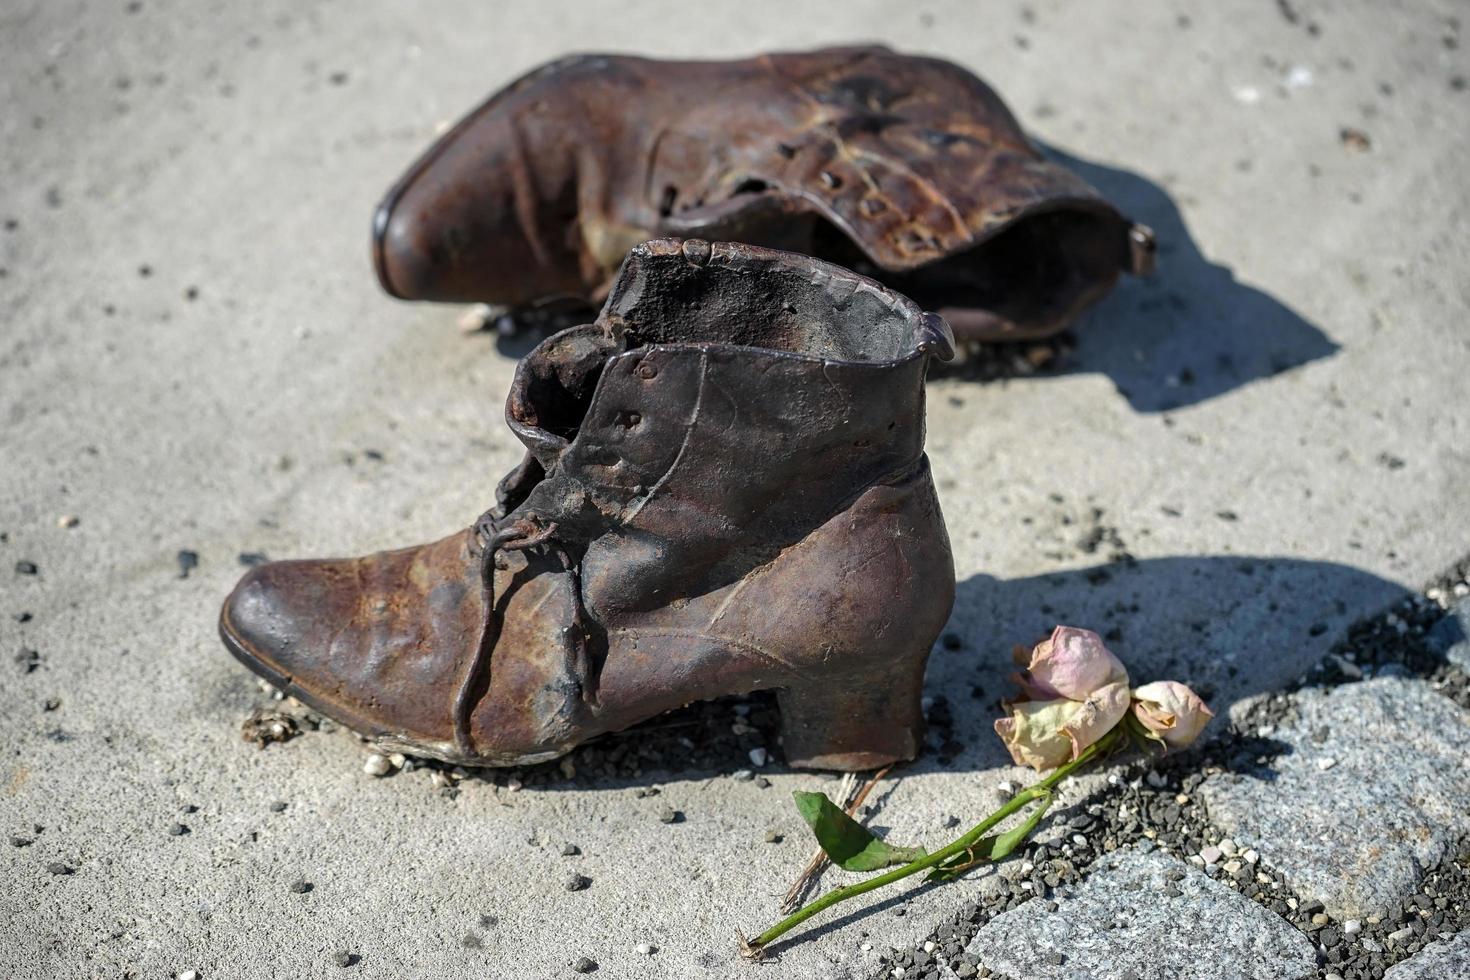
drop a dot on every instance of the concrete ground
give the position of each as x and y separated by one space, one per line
194 356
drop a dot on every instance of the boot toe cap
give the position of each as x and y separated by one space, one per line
276 619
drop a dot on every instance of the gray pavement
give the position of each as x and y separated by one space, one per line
194 356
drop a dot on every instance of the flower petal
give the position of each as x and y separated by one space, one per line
1096 716
1035 733
1171 712
1071 663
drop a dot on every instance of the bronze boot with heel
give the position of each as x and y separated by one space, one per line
725 491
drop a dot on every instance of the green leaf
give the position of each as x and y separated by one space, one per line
849 844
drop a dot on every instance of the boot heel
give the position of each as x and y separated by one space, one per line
854 722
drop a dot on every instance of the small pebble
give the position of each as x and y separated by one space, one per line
68 521
59 868
188 561
475 318
22 841
1227 847
744 775
577 882
377 765
189 975
1211 855
583 965
758 757
27 568
1401 935
1352 927
300 887
951 822
1325 763
345 959
772 837
669 815
570 850
278 807
763 782
177 830
646 949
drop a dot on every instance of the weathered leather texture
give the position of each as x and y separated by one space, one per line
725 490
909 169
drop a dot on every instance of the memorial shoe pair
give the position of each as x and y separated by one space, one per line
724 488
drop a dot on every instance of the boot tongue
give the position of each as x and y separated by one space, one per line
553 386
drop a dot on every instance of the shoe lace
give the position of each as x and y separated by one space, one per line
493 534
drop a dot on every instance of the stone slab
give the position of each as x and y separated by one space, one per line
1146 916
1368 789
1448 960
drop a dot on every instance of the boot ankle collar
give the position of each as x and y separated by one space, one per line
673 291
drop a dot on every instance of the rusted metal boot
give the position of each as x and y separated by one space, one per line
908 169
725 491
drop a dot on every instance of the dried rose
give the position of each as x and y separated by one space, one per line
1170 712
1071 663
1075 692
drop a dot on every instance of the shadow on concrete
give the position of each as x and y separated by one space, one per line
1192 331
1229 626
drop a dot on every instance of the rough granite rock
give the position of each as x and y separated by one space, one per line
1450 637
1120 922
1449 960
1369 789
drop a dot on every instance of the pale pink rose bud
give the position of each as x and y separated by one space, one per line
1171 712
1071 663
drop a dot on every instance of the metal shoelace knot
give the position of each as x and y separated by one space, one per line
492 538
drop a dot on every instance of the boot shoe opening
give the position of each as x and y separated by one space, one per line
696 292
1028 280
